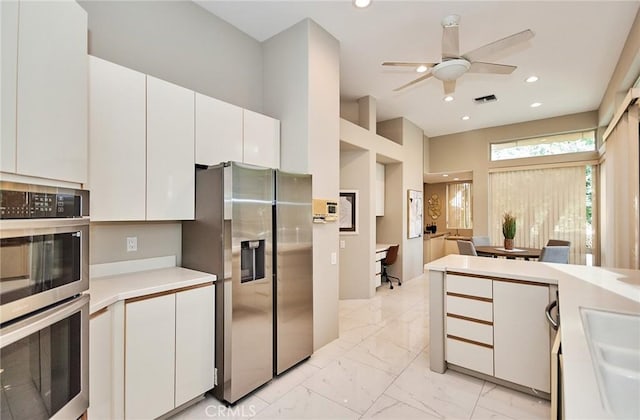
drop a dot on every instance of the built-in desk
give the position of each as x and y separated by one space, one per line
381 253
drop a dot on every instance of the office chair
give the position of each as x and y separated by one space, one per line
558 242
467 248
555 254
390 259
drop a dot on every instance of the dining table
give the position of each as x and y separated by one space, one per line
516 252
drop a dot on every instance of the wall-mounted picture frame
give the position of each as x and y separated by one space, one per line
414 213
348 209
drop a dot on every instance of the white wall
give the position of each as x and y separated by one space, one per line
302 89
180 42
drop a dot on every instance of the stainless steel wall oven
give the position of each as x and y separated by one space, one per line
44 318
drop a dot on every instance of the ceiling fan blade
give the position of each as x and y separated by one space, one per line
413 82
498 45
480 67
449 86
407 64
450 42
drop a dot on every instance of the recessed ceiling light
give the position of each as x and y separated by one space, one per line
421 68
535 104
445 175
456 179
361 4
448 98
531 79
465 118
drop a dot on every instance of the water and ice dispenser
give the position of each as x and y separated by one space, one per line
251 260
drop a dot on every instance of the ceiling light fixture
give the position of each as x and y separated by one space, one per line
535 104
445 175
451 69
421 68
448 98
456 179
531 79
361 4
465 118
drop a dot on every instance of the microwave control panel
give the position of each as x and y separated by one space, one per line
38 205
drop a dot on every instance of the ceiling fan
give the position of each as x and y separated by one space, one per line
454 65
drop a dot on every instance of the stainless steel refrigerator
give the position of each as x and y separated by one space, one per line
253 230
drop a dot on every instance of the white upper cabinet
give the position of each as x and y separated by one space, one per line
51 114
379 189
170 151
8 73
261 140
117 136
218 131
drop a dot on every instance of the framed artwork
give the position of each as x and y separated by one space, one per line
414 212
348 208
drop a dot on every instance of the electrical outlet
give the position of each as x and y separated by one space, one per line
132 243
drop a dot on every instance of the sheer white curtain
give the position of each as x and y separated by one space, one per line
459 205
619 186
548 203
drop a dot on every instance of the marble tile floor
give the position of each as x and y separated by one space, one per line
377 368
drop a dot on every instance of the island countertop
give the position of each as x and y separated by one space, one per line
579 286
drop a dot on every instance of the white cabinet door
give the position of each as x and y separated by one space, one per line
100 365
379 189
261 140
149 357
8 74
52 91
195 349
218 131
170 151
521 334
451 247
117 136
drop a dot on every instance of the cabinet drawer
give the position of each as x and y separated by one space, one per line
470 330
381 255
470 356
470 308
378 267
473 286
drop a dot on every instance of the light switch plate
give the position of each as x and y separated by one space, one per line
334 258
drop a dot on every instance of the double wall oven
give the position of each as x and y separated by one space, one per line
44 316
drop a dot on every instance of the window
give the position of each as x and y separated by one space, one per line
459 206
583 141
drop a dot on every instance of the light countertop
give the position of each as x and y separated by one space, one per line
109 289
383 247
579 286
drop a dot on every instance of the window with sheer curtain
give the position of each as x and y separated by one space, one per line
459 206
548 203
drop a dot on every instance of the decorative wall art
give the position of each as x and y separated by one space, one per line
414 206
348 208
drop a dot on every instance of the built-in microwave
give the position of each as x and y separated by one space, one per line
44 247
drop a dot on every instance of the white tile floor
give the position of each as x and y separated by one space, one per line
378 368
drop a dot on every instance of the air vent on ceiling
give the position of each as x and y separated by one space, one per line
485 99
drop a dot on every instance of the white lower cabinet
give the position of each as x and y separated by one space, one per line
498 327
169 350
521 334
100 364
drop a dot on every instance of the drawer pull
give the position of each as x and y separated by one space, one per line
466 318
460 295
465 340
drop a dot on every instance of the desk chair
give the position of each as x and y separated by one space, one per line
390 259
555 254
467 248
558 242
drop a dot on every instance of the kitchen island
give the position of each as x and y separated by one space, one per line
578 287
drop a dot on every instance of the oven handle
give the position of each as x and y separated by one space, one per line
30 325
19 227
547 312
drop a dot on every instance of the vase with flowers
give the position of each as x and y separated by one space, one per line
508 229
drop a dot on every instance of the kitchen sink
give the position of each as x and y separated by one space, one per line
614 342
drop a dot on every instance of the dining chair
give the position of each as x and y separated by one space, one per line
481 240
558 242
466 248
390 259
555 254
